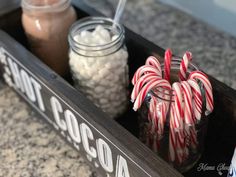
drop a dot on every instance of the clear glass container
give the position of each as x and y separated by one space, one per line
46 24
100 71
159 139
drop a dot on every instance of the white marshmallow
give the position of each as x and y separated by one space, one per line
102 78
86 34
114 37
99 89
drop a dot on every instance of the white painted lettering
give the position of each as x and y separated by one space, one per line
27 85
37 88
104 155
72 125
122 167
87 134
57 109
16 75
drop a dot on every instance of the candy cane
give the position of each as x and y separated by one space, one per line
162 119
152 107
178 119
154 117
167 64
172 137
176 139
142 81
197 97
149 86
144 69
198 75
187 93
184 65
157 111
153 120
178 102
154 62
164 110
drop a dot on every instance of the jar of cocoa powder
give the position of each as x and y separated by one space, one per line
46 24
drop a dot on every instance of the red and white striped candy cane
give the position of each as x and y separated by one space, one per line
198 75
162 118
178 105
153 120
197 98
172 137
154 62
148 87
178 119
152 107
154 117
164 109
167 64
184 65
141 82
188 107
144 70
158 111
176 140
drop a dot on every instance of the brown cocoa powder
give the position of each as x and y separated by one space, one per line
47 33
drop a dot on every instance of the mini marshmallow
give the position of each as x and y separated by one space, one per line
103 101
86 34
78 39
114 37
105 35
99 89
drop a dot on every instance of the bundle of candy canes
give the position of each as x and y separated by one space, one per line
184 109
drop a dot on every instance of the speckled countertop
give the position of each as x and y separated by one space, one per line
28 146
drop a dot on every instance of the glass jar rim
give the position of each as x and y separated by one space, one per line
177 60
55 7
171 93
86 21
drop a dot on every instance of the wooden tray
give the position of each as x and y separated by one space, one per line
47 93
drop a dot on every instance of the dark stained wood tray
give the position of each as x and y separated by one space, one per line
127 154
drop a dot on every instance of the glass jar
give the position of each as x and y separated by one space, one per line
163 140
100 68
46 24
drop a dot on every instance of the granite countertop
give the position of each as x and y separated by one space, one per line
28 145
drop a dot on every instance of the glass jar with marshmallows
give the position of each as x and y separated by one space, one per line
98 62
